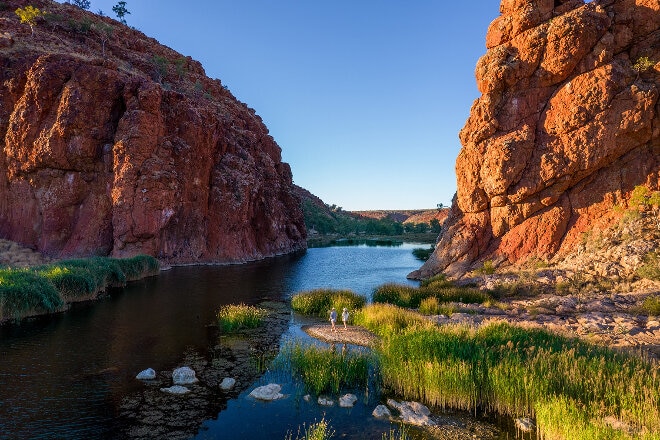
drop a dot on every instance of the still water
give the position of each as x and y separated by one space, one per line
65 376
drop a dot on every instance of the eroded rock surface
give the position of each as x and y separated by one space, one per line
567 125
118 146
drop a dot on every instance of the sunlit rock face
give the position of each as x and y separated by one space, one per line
567 125
118 145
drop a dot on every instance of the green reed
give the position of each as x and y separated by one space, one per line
319 302
519 372
315 431
234 317
326 369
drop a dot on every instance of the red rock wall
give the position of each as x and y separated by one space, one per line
97 157
564 130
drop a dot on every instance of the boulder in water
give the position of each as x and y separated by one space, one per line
227 383
381 412
413 413
148 374
184 376
325 401
347 400
176 389
267 392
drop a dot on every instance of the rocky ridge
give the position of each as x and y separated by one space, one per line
112 144
568 124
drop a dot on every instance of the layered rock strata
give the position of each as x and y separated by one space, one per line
567 125
113 144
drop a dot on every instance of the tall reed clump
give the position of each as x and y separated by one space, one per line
44 289
386 320
437 287
234 317
524 372
326 370
318 302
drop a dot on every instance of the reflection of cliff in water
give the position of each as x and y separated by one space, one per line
152 413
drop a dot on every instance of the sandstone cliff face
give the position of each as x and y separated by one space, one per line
567 125
113 144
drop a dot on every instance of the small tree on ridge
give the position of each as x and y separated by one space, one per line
120 10
29 15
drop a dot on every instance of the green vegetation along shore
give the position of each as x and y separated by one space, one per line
575 390
49 288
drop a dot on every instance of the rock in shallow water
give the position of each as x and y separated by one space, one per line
227 383
148 374
267 392
176 389
413 413
325 401
184 376
382 412
347 400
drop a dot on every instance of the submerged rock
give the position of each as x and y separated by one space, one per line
184 376
325 401
176 389
148 374
347 400
227 383
267 392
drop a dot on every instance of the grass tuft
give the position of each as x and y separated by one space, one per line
318 302
315 431
234 317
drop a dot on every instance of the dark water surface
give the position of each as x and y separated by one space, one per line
65 376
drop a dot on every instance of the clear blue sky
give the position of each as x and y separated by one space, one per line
365 97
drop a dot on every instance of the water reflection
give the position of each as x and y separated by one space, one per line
64 376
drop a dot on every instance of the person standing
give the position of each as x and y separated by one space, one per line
333 319
344 317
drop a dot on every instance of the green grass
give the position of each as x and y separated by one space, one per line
387 320
443 291
319 302
315 431
326 370
46 288
235 317
23 291
423 254
520 372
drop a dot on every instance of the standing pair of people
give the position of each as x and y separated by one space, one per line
333 318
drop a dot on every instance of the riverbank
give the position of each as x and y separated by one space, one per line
318 240
32 285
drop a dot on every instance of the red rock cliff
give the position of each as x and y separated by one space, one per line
567 125
111 143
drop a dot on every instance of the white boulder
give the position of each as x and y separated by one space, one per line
381 412
347 400
227 383
413 413
176 389
325 401
267 392
184 376
148 374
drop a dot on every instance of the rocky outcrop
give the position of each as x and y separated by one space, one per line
567 125
112 144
